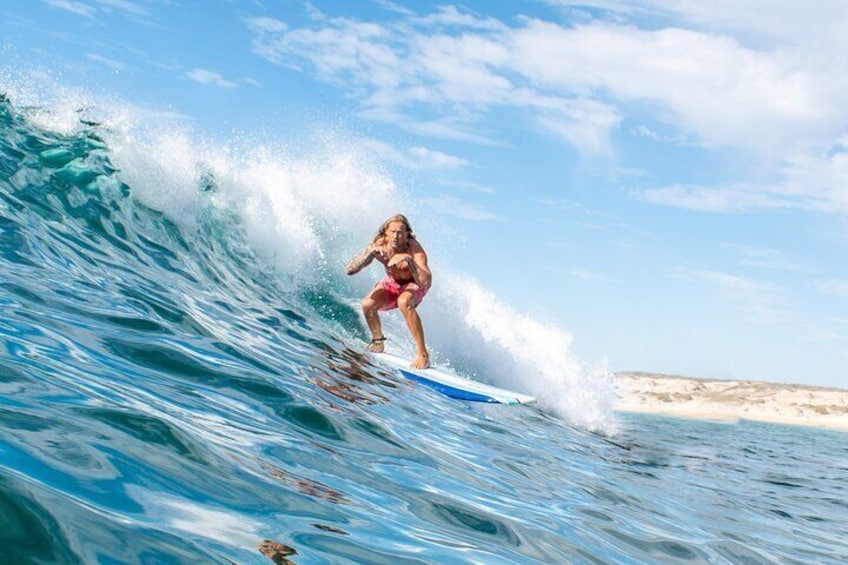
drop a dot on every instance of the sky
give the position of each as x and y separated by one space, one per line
668 180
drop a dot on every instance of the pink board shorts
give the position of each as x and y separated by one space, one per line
393 290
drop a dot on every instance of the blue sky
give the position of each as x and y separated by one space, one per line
668 180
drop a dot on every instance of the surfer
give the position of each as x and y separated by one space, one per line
406 282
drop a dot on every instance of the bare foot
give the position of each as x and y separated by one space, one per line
377 345
422 361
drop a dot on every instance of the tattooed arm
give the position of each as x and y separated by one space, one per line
362 260
413 264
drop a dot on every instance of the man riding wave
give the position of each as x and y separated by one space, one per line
407 280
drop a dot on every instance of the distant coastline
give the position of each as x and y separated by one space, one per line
732 400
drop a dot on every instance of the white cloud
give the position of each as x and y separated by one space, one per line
574 80
468 186
764 258
586 124
89 10
115 65
394 7
588 218
123 6
451 16
815 182
447 127
786 21
414 157
738 197
77 8
204 76
585 275
455 66
452 206
743 76
834 288
764 302
430 159
266 25
706 85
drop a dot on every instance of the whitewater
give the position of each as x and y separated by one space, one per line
183 379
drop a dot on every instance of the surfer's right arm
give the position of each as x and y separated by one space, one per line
362 260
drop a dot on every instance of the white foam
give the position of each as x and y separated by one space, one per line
298 212
511 349
48 104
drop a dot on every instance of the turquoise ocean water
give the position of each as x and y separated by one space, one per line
182 380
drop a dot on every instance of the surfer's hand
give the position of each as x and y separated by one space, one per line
399 258
376 251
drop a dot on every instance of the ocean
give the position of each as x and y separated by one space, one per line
183 380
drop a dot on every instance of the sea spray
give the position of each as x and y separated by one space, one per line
511 349
298 213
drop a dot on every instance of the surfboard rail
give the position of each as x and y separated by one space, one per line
454 386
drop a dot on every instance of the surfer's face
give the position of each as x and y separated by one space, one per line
396 235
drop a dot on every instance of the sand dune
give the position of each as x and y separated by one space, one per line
732 400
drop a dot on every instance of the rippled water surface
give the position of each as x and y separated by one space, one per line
164 398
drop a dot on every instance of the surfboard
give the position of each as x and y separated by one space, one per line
454 386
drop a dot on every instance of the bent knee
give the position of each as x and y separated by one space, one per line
369 305
406 302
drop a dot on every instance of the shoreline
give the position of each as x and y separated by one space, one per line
731 400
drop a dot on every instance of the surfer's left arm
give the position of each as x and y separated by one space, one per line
419 269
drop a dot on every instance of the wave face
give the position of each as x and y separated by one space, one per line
183 377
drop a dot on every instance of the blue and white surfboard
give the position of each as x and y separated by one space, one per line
454 385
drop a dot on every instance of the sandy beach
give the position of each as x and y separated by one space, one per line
732 400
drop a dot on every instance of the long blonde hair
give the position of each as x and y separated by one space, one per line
381 232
